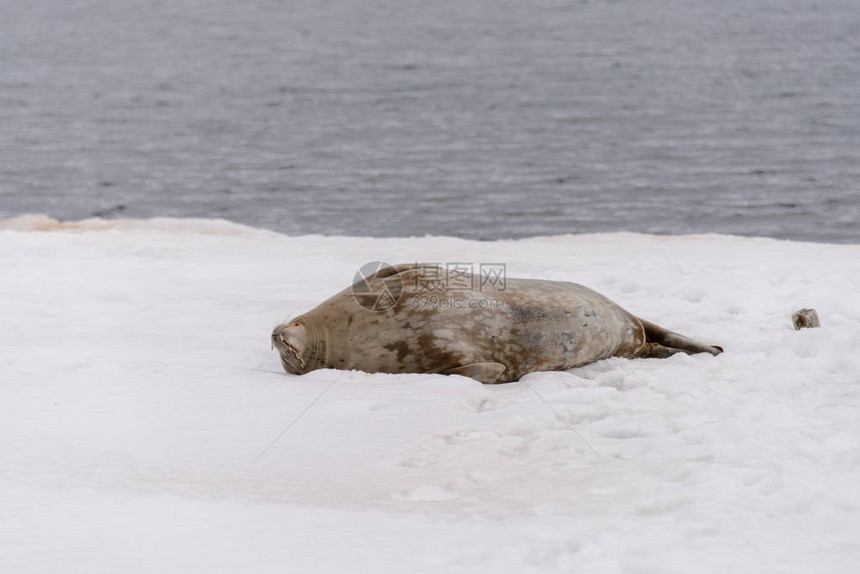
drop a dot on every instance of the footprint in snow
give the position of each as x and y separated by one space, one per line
427 493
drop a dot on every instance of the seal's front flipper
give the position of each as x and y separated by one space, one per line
486 373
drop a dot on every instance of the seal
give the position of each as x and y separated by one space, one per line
493 333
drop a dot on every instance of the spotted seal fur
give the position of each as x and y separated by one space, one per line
492 333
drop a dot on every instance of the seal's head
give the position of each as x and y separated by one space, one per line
297 346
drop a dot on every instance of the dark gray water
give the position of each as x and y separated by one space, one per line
476 118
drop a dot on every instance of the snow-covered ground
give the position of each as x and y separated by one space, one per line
139 390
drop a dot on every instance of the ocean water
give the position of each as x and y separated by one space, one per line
474 118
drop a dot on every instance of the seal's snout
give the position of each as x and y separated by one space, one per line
278 331
291 341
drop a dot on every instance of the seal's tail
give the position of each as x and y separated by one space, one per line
673 342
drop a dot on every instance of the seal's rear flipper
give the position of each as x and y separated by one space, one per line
664 343
486 373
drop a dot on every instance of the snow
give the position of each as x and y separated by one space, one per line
142 403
